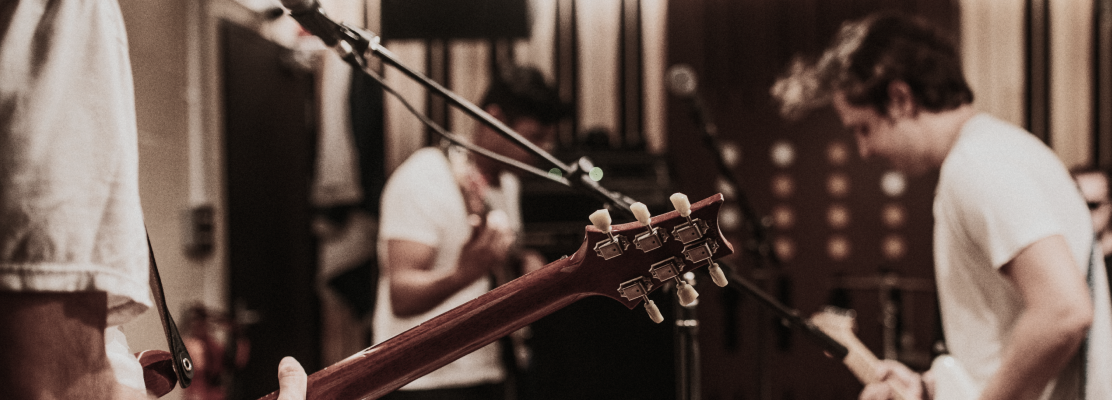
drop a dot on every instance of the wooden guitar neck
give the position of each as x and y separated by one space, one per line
382 369
606 264
861 361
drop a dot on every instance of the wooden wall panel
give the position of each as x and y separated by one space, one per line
738 48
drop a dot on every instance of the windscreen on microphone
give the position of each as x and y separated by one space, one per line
682 81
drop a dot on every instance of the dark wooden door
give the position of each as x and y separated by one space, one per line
270 146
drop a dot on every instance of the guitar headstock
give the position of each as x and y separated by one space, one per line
626 262
836 322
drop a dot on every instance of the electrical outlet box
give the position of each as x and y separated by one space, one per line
200 233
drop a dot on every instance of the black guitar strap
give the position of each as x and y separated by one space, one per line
183 364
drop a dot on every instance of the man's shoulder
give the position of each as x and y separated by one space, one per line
423 181
989 132
423 163
426 155
989 143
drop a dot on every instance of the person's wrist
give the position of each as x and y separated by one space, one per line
465 273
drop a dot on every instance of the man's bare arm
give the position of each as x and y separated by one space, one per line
54 346
1057 313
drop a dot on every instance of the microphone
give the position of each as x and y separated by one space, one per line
311 16
682 82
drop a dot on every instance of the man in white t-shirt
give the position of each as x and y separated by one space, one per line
73 252
1013 246
449 220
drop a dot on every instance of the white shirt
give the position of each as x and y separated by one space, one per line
999 191
70 217
422 203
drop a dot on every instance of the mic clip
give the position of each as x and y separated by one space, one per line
349 42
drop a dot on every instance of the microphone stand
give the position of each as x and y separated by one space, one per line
352 45
758 246
686 345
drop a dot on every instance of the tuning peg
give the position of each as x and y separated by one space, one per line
654 312
601 220
671 269
717 275
638 288
652 238
641 212
686 293
615 245
691 230
682 204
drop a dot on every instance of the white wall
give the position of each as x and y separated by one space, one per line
156 34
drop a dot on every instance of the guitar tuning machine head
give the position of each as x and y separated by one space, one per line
638 288
682 204
654 311
686 292
671 269
641 212
694 228
601 220
717 275
615 245
652 238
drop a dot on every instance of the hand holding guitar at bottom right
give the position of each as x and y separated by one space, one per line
892 375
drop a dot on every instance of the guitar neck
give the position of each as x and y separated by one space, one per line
390 365
863 364
860 360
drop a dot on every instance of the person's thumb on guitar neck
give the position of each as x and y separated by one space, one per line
292 381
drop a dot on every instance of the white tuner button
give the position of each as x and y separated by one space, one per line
654 312
641 212
687 293
601 220
717 275
682 204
